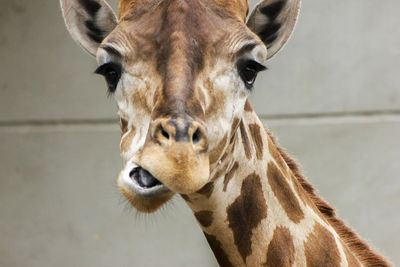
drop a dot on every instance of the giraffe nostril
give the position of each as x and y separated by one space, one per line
164 133
167 132
196 136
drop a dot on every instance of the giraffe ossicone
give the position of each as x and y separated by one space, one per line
181 72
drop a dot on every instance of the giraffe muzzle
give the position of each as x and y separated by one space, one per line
175 155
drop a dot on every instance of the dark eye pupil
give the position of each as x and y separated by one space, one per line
111 74
112 77
249 75
248 70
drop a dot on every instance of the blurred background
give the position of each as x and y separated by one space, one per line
332 97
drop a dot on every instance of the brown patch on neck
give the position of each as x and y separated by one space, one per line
207 189
246 213
283 193
235 125
303 195
245 140
273 151
280 249
219 253
230 174
321 248
255 133
276 155
221 170
205 218
224 163
351 259
217 151
226 154
356 245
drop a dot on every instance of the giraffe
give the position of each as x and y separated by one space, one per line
181 72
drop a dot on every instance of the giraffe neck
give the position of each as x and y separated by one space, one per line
254 212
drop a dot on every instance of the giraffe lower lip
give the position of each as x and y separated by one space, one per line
143 178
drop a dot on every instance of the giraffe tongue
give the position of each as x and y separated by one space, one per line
144 178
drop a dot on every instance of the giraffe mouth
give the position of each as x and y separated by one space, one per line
143 178
145 192
142 183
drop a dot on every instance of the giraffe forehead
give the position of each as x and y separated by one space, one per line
179 31
175 39
236 8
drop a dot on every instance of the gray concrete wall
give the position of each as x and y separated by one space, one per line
332 98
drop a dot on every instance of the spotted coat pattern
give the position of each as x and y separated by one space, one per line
253 204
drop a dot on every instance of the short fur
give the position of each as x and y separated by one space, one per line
358 246
179 88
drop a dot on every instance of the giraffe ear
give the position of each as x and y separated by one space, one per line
88 22
273 21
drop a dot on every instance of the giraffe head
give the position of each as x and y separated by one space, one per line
180 72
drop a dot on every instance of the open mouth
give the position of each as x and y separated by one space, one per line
143 178
141 182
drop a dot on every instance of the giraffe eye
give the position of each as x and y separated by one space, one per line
248 71
112 74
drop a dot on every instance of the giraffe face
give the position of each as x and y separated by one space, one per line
180 72
180 79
